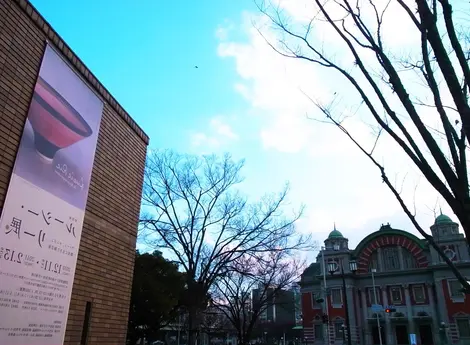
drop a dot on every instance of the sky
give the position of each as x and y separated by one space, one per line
245 99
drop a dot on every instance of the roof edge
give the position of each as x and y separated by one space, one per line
80 67
380 233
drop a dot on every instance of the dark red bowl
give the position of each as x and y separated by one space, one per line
55 122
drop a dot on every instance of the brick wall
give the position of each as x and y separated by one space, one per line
389 240
106 255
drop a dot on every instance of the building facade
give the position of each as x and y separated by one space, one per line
279 306
408 275
103 276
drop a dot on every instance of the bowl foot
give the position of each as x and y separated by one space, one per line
44 158
45 149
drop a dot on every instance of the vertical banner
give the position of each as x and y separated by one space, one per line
42 218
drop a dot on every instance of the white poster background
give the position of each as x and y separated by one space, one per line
42 220
39 256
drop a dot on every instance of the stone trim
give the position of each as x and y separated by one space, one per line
78 65
399 240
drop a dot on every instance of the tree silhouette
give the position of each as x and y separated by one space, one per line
254 285
156 289
194 211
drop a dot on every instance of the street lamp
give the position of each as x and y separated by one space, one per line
332 268
443 333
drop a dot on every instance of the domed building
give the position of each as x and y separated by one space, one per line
394 281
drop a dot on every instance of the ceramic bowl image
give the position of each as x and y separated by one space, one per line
56 124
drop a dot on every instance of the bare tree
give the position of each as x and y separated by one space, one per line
381 82
195 212
215 324
254 285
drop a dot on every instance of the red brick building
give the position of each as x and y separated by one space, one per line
101 288
408 276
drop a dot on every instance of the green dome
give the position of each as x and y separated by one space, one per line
335 234
443 219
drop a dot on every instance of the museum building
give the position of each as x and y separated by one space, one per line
101 284
415 291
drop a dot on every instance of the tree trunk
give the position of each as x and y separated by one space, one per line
465 221
242 339
193 325
190 327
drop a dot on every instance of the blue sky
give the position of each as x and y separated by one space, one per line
145 52
242 98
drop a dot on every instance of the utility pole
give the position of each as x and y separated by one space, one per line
346 306
373 270
325 299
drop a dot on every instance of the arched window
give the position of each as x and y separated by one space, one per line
409 260
373 261
391 258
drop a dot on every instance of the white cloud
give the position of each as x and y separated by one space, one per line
224 30
218 134
338 182
200 139
222 129
404 34
287 133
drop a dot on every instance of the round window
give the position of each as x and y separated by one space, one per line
449 253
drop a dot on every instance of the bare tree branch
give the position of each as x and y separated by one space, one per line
400 200
254 285
194 210
443 163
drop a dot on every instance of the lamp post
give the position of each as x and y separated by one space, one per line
332 268
326 331
343 328
443 333
373 270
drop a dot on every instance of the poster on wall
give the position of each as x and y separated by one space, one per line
42 217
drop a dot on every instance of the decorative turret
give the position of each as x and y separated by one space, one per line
445 233
335 234
443 219
444 229
336 240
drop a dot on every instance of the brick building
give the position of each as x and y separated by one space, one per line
103 276
409 276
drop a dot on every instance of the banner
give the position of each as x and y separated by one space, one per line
42 217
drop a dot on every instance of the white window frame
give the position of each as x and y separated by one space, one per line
314 295
415 287
458 328
392 290
333 303
339 329
321 333
458 297
395 250
370 295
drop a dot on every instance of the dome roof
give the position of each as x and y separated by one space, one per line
443 219
335 234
